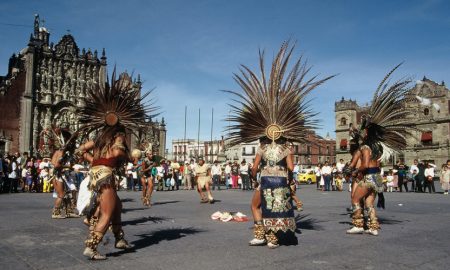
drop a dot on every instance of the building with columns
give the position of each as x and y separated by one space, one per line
45 84
185 150
432 117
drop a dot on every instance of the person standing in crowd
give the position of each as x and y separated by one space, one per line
413 169
402 169
188 174
429 178
203 177
176 174
13 175
340 165
227 175
166 174
160 176
318 172
216 172
136 155
445 177
390 181
334 173
295 172
2 173
170 182
129 173
44 167
326 174
420 177
28 179
243 172
234 175
21 170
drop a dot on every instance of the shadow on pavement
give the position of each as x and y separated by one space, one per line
144 220
166 202
127 200
305 223
146 240
383 220
125 210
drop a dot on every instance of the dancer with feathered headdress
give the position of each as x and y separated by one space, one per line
111 111
382 132
274 111
60 167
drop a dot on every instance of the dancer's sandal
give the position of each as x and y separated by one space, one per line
93 254
257 242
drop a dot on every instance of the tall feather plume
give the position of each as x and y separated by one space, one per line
389 123
279 98
118 97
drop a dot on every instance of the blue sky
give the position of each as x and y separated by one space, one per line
188 50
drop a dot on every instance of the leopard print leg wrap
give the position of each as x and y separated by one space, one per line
357 216
56 211
93 222
120 243
372 220
118 232
93 240
272 238
258 231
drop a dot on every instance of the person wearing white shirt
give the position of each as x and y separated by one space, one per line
216 172
429 178
318 173
326 173
413 170
296 171
227 174
340 165
129 170
243 171
189 175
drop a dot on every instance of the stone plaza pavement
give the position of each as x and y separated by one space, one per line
178 233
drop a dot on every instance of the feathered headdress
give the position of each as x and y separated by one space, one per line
273 106
114 106
386 124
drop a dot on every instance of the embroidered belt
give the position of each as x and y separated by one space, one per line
99 176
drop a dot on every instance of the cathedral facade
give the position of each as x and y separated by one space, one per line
45 84
431 103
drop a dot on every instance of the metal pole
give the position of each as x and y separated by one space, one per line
198 135
184 139
212 124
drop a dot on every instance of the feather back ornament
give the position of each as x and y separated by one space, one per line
387 123
273 105
114 106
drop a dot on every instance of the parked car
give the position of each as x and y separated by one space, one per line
307 176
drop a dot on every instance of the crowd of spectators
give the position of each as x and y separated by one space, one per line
25 173
170 175
418 177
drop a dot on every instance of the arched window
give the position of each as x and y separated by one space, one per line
343 121
426 111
